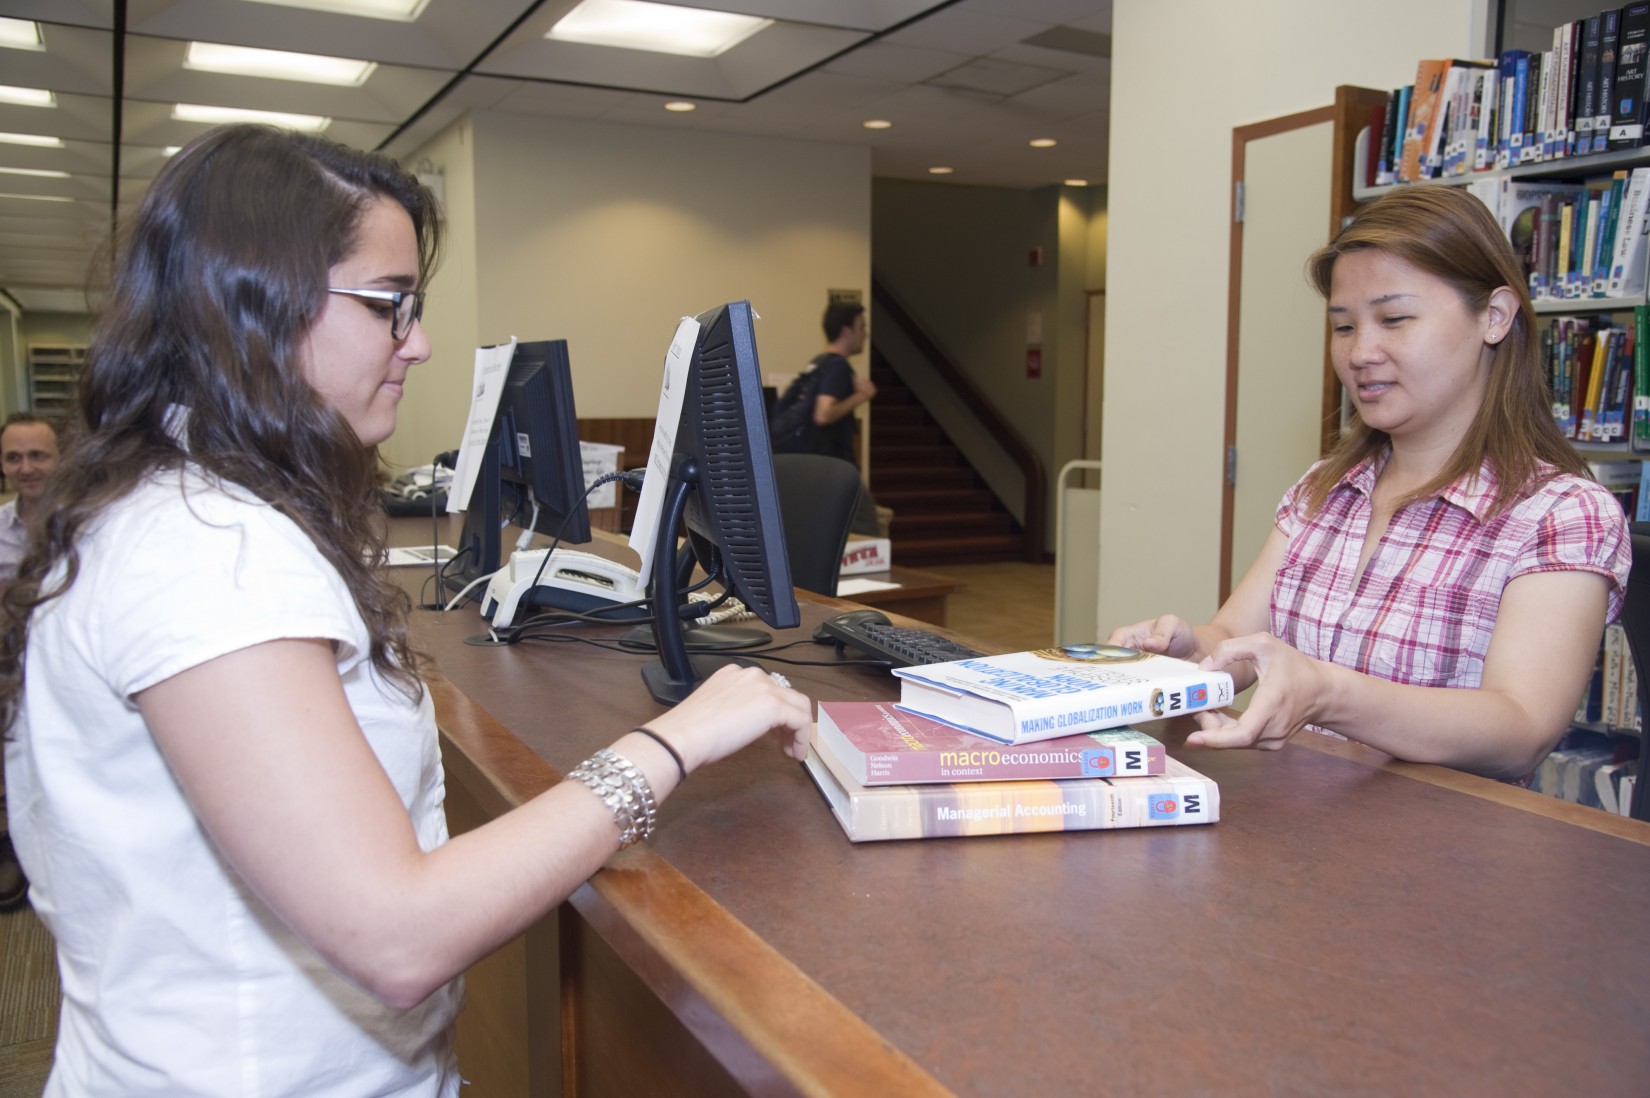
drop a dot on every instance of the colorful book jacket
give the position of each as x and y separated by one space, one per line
882 745
871 813
1023 697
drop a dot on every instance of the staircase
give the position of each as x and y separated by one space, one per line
943 511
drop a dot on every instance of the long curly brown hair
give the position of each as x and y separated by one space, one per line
217 279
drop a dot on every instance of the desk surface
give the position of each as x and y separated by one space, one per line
1345 928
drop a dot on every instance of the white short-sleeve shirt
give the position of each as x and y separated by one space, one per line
177 980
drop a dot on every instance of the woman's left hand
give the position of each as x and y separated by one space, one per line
1288 693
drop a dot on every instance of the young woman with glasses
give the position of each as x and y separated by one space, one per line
225 780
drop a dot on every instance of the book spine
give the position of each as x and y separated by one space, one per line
1629 234
992 763
1549 88
1564 71
1627 114
1383 141
1641 397
1532 110
1400 131
1587 84
1609 43
1002 808
1483 145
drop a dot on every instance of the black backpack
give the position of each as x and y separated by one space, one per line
791 425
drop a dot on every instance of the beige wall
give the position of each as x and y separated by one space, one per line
1168 243
605 235
958 257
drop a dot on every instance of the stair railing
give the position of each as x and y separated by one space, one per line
1017 450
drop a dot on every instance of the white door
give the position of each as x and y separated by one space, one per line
1286 189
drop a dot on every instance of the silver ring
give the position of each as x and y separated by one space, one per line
780 679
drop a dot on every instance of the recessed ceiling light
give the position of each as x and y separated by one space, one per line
940 171
171 150
37 197
43 173
20 34
310 68
1077 182
39 141
1042 142
681 106
657 28
877 124
27 97
217 116
404 11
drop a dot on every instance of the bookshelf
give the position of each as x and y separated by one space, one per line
54 370
1352 141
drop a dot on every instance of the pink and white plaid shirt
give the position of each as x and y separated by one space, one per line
1425 607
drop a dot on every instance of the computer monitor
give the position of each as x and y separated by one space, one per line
532 456
723 489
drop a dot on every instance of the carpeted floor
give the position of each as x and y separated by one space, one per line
28 1004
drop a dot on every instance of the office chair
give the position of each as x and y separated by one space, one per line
817 499
1635 616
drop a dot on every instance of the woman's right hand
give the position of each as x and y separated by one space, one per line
1166 636
730 709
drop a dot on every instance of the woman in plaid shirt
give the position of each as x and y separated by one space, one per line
1437 586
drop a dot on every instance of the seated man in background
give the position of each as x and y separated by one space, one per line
28 454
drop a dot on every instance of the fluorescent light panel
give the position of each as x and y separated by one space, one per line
27 97
656 28
20 34
38 197
39 141
43 173
402 11
217 116
311 68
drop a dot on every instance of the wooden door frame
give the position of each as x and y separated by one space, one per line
1241 136
1350 113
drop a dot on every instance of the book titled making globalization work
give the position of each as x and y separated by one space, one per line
1022 697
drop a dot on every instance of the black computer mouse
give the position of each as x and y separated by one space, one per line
822 635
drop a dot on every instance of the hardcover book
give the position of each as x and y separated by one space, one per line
1023 697
1632 62
880 744
870 813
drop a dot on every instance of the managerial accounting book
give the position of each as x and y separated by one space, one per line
1023 697
872 813
882 745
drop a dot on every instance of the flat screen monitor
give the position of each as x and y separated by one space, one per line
531 457
724 493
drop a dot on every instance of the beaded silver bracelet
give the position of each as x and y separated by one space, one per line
624 790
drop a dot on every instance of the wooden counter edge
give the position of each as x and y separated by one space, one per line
765 1003
1593 819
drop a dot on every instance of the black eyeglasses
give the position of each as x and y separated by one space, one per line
403 307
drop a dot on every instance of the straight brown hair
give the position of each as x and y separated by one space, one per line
1450 234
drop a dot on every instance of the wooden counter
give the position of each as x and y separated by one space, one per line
1348 927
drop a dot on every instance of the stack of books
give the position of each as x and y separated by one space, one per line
1016 743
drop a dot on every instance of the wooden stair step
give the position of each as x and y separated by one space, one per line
923 552
899 435
919 455
891 478
968 523
935 498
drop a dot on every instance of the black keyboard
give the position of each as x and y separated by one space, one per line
900 647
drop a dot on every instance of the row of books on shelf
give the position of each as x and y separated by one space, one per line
1592 769
1599 375
1576 240
1586 95
1024 742
1611 703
